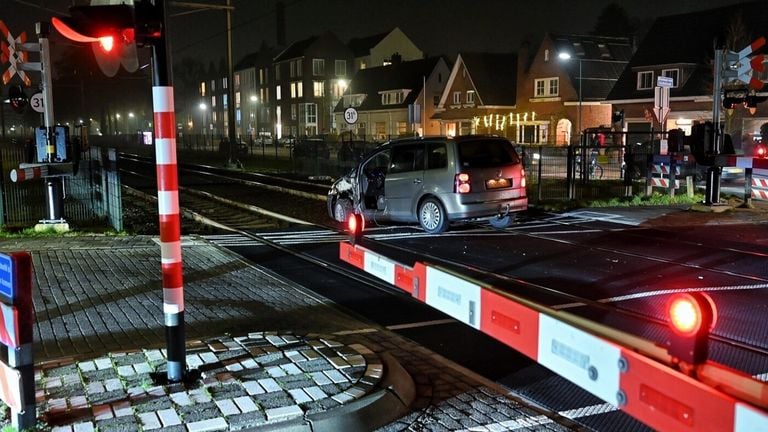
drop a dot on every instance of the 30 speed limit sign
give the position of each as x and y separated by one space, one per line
36 102
350 115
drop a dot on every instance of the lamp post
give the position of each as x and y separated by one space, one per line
117 128
202 107
567 56
342 87
130 122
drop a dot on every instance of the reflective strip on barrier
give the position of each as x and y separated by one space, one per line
10 387
9 330
760 194
761 182
664 169
652 392
662 182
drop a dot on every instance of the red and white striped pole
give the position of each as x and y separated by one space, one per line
168 203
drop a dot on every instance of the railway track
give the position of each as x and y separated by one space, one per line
216 198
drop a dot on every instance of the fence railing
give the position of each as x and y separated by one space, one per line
91 196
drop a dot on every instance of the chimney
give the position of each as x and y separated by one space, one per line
280 15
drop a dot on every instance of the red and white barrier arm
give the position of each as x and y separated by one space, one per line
621 369
24 174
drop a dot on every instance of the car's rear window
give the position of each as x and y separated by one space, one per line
486 153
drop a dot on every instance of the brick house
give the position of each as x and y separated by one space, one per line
681 47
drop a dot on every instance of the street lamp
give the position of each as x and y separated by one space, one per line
566 56
117 129
202 107
130 116
255 101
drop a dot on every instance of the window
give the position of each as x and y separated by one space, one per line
645 80
277 72
311 113
264 76
278 94
470 96
299 67
202 88
436 156
406 158
293 69
392 98
381 130
318 88
295 89
456 98
672 73
224 100
436 100
402 128
237 81
213 85
237 99
224 83
318 67
546 55
294 110
341 67
213 101
546 87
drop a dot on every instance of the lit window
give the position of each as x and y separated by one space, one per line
318 88
645 80
237 81
311 113
293 112
547 87
224 83
224 99
293 90
672 73
213 101
278 95
470 96
237 99
202 88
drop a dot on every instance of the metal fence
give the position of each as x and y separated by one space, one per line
604 165
92 195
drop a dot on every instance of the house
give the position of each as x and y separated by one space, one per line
682 48
480 95
309 77
563 83
379 50
396 100
252 93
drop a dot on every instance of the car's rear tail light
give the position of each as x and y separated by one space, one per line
522 178
760 151
461 183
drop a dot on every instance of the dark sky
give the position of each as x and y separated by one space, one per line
436 26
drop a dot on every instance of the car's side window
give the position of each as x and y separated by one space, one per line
437 157
407 157
378 164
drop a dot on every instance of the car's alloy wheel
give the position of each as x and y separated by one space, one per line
432 216
341 210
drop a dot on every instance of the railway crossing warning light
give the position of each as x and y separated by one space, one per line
691 317
113 31
355 225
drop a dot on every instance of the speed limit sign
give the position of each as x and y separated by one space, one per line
350 115
36 102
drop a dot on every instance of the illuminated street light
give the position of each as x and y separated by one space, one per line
566 56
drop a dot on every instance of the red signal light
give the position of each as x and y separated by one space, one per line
355 225
760 151
691 317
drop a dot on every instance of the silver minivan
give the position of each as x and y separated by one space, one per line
435 181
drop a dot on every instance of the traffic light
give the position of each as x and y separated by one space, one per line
355 226
702 142
113 31
691 318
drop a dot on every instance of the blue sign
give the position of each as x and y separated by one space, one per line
7 281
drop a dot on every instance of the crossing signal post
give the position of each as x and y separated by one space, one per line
113 30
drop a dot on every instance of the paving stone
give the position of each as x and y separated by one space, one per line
335 376
276 372
103 363
270 385
284 413
300 396
227 407
149 420
316 393
253 387
169 417
291 369
208 425
245 404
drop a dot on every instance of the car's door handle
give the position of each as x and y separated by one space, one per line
416 181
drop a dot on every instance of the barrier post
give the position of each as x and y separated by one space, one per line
748 187
16 335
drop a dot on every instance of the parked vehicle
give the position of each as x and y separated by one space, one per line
312 148
434 181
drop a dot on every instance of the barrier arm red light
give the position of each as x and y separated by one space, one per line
355 225
691 317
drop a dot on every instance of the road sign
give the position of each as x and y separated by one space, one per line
7 277
36 102
11 52
661 103
665 81
350 115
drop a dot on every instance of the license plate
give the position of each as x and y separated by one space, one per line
498 183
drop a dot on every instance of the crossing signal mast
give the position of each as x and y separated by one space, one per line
734 84
114 32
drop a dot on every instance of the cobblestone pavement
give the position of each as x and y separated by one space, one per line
99 337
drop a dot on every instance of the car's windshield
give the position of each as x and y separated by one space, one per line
486 153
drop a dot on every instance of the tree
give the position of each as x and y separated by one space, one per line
613 21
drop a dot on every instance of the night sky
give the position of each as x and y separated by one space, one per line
436 26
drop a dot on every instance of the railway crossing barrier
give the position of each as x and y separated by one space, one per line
17 375
755 173
633 374
665 172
